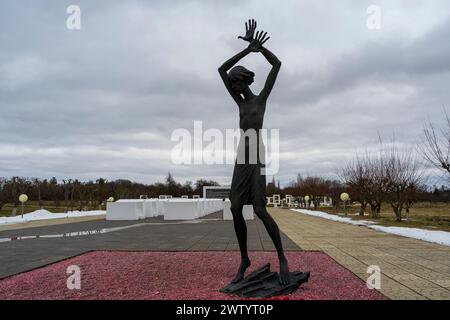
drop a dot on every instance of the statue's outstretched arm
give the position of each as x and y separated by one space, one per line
272 77
223 69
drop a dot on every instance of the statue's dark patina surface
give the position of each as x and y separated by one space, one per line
249 181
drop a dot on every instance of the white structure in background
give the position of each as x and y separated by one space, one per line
223 193
170 209
247 211
326 202
289 200
125 210
216 192
276 200
190 209
269 200
163 196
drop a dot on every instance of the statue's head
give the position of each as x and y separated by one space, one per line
240 78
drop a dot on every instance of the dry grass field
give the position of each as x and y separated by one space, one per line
433 216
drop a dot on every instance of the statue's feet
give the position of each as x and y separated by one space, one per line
245 263
285 276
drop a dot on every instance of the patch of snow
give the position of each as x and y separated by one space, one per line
440 237
43 214
328 216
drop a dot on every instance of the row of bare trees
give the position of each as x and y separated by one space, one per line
386 176
316 188
72 194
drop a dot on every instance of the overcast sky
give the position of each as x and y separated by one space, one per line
103 101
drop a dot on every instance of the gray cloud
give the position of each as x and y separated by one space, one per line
103 101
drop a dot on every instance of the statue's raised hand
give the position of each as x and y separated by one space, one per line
250 28
257 43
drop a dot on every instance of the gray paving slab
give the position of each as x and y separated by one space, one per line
152 234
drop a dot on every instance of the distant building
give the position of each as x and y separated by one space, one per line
216 192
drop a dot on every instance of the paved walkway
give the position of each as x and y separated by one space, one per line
411 269
29 248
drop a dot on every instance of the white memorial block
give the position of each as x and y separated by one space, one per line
227 215
289 200
201 207
151 208
160 207
247 211
276 200
171 209
176 209
125 210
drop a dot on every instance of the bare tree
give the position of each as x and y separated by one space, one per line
14 195
404 176
435 146
37 185
82 192
3 197
377 181
335 189
356 176
72 192
67 188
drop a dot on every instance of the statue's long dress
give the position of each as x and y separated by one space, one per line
248 185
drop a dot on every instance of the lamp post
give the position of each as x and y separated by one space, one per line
345 197
307 201
22 199
109 200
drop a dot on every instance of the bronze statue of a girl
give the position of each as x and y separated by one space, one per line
249 183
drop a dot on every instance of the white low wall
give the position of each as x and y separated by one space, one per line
247 211
126 210
171 209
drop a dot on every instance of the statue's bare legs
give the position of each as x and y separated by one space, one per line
274 233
